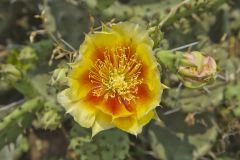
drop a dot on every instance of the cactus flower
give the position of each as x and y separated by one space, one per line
115 82
196 70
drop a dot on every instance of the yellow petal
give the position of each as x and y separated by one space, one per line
151 77
132 33
94 45
132 124
148 99
102 122
82 114
79 79
128 124
145 119
150 71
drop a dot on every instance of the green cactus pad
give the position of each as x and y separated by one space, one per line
189 100
179 141
108 145
18 120
232 98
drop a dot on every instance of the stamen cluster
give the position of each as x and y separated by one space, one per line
117 75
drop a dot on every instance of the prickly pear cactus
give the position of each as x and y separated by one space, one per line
40 40
178 141
188 100
18 121
73 15
48 118
112 144
232 98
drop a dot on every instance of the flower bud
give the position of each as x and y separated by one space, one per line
27 53
9 73
196 70
48 118
59 77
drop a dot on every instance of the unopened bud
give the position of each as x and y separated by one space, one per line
9 73
59 77
196 70
27 53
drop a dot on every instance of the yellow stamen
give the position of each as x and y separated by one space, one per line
117 75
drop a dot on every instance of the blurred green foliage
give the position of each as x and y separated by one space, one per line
107 145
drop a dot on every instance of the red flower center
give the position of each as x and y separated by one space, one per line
116 75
